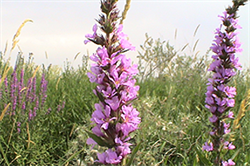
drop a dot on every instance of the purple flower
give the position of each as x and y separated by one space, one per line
90 141
102 116
228 145
123 148
34 89
114 117
18 127
228 163
123 39
226 128
43 87
126 66
207 147
48 111
230 102
231 115
130 119
118 78
30 115
114 103
230 91
97 131
91 36
23 106
219 96
109 157
213 119
109 92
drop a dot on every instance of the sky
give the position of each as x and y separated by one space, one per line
59 27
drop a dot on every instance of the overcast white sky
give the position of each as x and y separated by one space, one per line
59 26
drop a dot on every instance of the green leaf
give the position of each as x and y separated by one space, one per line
202 158
133 154
2 151
236 153
98 140
73 156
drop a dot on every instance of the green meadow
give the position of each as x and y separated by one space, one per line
51 129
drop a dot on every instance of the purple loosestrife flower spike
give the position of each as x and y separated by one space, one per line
6 85
28 94
44 84
219 96
30 116
0 89
13 95
34 89
114 117
20 87
18 127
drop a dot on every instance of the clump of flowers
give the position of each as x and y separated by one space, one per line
114 116
220 96
25 99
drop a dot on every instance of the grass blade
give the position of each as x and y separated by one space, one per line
133 154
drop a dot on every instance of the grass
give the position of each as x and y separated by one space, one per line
171 103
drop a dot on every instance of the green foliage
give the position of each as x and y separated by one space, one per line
171 103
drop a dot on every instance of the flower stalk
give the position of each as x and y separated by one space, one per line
24 98
220 96
114 117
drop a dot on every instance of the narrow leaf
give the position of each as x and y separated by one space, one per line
98 140
133 154
202 158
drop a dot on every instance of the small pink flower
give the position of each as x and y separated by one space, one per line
213 119
207 147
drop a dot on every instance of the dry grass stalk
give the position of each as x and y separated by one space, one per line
244 104
124 13
6 70
34 74
14 40
4 111
28 132
57 83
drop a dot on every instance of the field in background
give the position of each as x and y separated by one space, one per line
171 103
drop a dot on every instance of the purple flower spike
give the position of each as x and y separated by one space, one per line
219 96
114 117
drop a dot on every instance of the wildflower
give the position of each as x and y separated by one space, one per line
109 157
230 115
91 36
114 116
43 90
30 115
219 96
18 127
102 116
228 163
207 147
228 145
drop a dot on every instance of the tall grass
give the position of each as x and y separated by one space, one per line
171 103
